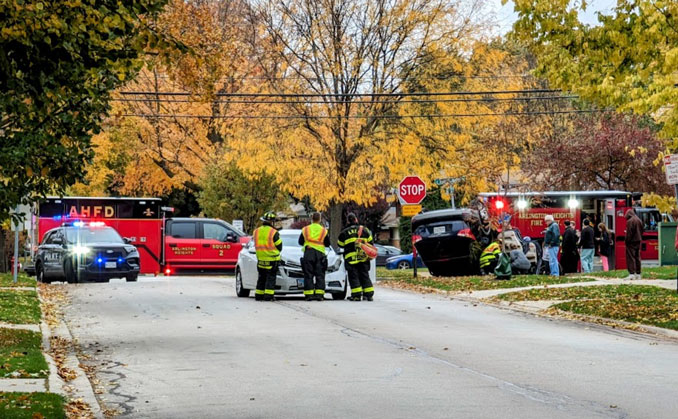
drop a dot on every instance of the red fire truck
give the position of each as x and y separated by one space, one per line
165 245
527 212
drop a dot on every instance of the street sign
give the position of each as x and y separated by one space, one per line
411 210
412 190
671 166
239 224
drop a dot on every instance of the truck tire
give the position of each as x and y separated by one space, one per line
239 289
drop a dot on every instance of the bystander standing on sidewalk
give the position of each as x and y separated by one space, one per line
552 244
634 235
605 246
588 247
569 258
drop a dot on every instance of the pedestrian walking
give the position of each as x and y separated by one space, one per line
552 242
268 245
605 249
357 262
634 235
569 257
314 240
588 247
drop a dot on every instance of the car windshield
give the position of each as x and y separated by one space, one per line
290 240
92 235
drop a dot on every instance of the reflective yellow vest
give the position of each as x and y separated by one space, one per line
314 237
490 253
263 242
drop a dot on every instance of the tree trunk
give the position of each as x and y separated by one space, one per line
336 213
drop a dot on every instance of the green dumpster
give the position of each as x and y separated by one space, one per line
667 244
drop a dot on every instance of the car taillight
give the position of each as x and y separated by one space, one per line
415 238
466 233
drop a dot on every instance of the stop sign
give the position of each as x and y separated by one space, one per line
412 190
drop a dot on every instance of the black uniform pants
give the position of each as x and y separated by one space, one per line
314 265
359 279
633 258
266 281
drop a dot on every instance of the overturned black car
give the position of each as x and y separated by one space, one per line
450 240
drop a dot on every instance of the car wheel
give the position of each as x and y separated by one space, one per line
403 264
40 274
239 289
132 277
340 295
69 272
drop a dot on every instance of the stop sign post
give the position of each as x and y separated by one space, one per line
412 190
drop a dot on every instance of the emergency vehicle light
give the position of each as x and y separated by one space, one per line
572 203
97 224
168 271
78 224
521 204
499 204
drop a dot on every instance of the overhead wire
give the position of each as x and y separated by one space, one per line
311 102
300 95
459 115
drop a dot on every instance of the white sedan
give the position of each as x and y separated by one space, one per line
290 278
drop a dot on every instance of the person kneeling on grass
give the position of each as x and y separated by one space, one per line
520 265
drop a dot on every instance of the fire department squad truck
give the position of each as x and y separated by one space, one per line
527 212
165 245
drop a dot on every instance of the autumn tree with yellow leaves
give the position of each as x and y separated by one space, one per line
341 127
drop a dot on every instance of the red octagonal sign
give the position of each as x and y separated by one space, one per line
412 190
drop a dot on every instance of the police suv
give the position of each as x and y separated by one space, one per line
82 251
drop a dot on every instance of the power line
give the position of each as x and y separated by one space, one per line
300 95
303 102
460 115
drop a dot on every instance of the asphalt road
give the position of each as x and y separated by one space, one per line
187 347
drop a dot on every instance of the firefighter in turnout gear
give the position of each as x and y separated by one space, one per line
314 239
489 258
357 263
268 245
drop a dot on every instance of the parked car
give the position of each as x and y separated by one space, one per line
386 252
446 242
403 262
80 251
290 278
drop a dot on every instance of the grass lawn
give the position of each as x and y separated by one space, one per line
19 307
31 405
643 304
23 280
403 279
660 272
20 354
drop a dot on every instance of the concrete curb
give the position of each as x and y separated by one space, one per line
78 388
31 327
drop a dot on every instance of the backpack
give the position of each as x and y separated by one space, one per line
364 249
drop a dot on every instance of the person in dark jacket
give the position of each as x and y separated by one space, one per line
588 247
569 257
634 235
604 247
552 244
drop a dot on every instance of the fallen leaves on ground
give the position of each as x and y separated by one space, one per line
644 304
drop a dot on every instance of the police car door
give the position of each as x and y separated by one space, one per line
55 254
